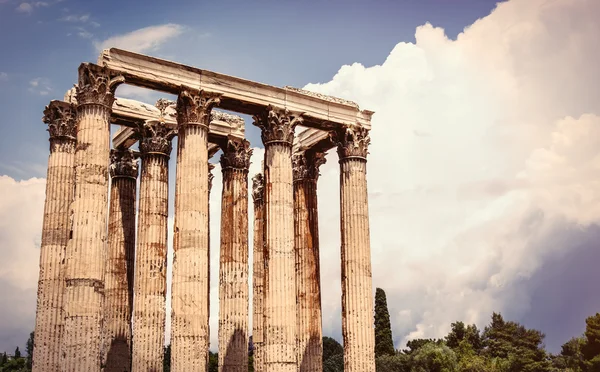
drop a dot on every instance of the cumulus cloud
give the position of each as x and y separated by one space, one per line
481 148
142 40
21 211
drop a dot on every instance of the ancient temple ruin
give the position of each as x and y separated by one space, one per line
103 276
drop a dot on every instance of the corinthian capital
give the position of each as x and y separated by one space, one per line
236 155
277 125
352 142
60 117
155 137
95 85
258 187
195 107
123 163
306 164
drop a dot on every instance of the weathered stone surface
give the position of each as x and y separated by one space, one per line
86 251
280 278
150 282
357 292
258 276
308 281
233 270
238 95
118 292
190 288
60 186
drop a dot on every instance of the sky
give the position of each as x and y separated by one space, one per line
484 164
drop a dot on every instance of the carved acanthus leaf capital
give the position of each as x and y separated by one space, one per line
195 107
306 164
123 163
258 187
277 125
236 154
352 142
96 86
155 137
61 120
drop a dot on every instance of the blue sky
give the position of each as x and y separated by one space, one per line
483 172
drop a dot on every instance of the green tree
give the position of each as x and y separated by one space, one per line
459 333
29 350
213 362
393 363
416 344
17 353
570 357
434 357
333 355
167 359
384 343
522 347
591 349
3 359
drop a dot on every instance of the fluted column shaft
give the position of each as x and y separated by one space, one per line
357 292
233 269
308 278
118 293
190 287
60 186
150 281
86 252
280 278
258 278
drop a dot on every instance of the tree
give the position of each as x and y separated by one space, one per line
3 359
213 362
167 359
591 349
522 347
393 363
433 357
333 355
571 356
459 333
17 353
417 343
29 350
384 343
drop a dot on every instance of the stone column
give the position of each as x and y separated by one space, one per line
308 277
233 270
118 293
357 292
86 252
280 277
60 186
258 278
150 281
190 288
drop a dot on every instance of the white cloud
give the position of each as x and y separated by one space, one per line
142 40
40 86
3 76
76 18
512 149
21 212
24 8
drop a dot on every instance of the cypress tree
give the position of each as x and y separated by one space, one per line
384 344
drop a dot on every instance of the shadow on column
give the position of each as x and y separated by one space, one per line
234 349
118 358
311 349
